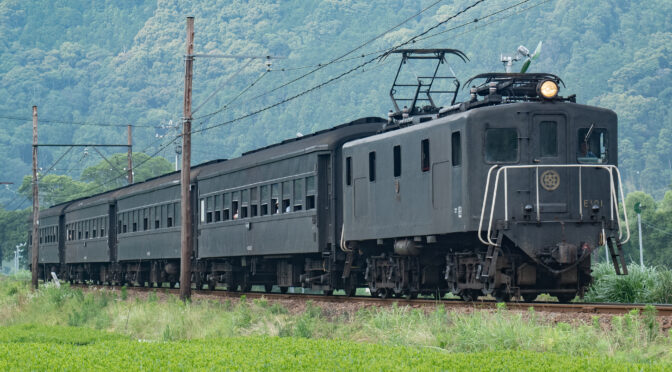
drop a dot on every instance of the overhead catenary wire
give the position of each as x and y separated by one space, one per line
323 65
351 70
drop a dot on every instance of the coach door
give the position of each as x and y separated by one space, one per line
548 139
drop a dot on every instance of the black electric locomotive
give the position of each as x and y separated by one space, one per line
506 194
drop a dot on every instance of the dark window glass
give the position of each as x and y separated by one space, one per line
208 217
310 202
501 145
548 138
424 155
145 223
348 171
157 224
592 146
135 226
169 222
397 161
218 216
372 166
456 149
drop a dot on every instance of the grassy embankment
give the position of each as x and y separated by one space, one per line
101 330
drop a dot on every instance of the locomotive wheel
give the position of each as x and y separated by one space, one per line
381 293
502 296
469 294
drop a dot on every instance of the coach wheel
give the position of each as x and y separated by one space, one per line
212 284
529 297
283 290
382 293
565 297
173 284
268 288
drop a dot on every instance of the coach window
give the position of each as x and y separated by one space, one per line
275 198
501 145
157 217
226 200
286 197
348 171
456 149
94 230
235 198
265 197
218 208
210 204
177 214
397 160
310 192
102 227
254 202
136 217
592 146
169 215
548 139
145 219
79 230
298 194
202 210
424 155
245 202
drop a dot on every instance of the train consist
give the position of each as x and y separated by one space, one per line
507 194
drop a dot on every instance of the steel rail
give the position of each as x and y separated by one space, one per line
579 307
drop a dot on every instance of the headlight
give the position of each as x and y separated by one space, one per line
547 89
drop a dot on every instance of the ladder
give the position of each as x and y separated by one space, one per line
617 257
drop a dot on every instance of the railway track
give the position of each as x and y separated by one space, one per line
589 308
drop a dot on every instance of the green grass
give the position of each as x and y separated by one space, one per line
162 319
642 285
112 352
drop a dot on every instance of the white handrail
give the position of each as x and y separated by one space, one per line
613 202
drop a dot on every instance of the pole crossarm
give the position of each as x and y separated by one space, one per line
78 145
230 56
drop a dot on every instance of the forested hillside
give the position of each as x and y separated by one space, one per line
121 62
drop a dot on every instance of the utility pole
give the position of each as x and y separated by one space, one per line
638 209
36 205
185 175
130 156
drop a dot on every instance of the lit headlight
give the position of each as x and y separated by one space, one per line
547 89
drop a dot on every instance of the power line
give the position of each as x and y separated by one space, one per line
81 123
669 233
228 104
318 86
321 66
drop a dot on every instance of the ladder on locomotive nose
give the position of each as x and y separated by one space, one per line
617 257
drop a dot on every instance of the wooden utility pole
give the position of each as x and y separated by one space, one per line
130 155
36 205
185 175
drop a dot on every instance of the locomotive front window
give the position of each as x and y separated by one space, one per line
548 138
592 146
501 145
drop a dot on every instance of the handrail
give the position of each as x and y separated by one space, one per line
613 198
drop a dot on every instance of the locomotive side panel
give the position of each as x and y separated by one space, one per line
407 182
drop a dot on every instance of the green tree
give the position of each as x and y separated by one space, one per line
53 189
13 231
111 173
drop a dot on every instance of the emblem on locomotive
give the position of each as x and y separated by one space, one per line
550 180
